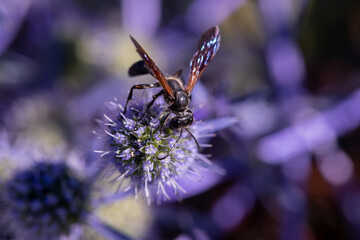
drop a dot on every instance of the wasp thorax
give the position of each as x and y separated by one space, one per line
181 101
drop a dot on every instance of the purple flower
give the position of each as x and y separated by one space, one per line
154 160
45 201
47 197
150 149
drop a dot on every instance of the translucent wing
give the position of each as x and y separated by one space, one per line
208 45
152 67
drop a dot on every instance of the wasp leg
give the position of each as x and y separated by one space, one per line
173 146
139 86
151 103
164 118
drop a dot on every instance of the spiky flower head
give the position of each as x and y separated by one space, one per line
45 201
152 158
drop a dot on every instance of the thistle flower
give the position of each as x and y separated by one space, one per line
48 196
152 159
45 201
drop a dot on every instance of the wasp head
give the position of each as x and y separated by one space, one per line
181 121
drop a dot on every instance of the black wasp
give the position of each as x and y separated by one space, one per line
175 94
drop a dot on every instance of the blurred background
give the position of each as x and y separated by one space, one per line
288 69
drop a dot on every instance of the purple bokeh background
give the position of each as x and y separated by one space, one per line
289 71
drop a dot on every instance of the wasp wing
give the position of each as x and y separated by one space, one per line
208 45
152 67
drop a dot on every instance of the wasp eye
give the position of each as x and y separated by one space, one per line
174 123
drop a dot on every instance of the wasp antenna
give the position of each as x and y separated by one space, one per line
197 143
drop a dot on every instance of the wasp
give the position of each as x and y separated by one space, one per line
175 94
